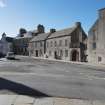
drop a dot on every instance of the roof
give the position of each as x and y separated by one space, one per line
26 37
101 9
9 39
94 25
62 32
40 37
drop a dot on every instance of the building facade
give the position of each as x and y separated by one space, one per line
68 44
21 42
21 45
6 45
96 40
37 46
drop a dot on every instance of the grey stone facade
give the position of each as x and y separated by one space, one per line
96 40
67 44
37 46
21 42
21 45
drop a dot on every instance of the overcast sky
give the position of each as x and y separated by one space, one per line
58 14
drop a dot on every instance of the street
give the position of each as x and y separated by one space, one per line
40 78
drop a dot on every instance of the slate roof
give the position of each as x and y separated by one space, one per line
9 39
62 32
26 37
40 37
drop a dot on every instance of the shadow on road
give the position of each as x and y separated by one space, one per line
14 59
17 59
20 89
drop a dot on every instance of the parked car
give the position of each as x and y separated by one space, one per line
10 55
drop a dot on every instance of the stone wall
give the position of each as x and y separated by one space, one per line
96 38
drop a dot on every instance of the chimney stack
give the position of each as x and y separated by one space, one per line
78 24
102 13
52 30
40 28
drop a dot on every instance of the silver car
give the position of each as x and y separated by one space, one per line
10 55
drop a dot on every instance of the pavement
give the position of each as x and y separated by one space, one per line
25 100
78 63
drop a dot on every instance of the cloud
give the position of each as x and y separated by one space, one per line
2 4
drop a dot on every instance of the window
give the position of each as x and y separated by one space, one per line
55 43
40 52
99 59
50 53
94 45
32 45
51 43
61 53
66 42
35 44
94 35
66 53
41 44
60 43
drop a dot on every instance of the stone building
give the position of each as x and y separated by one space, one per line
21 42
37 46
96 39
21 45
67 44
6 45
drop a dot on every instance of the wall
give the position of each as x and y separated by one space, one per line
97 55
58 47
37 46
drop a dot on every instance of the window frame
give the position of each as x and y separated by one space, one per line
55 43
66 53
66 42
60 42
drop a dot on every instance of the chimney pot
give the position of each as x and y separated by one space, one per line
52 30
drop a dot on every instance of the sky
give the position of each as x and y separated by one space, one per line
58 14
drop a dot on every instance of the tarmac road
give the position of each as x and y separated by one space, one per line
40 78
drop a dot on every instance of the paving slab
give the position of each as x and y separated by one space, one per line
24 100
98 103
64 101
7 99
44 101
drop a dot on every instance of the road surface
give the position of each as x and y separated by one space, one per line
41 78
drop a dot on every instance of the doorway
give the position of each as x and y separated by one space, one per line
36 53
74 55
55 55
